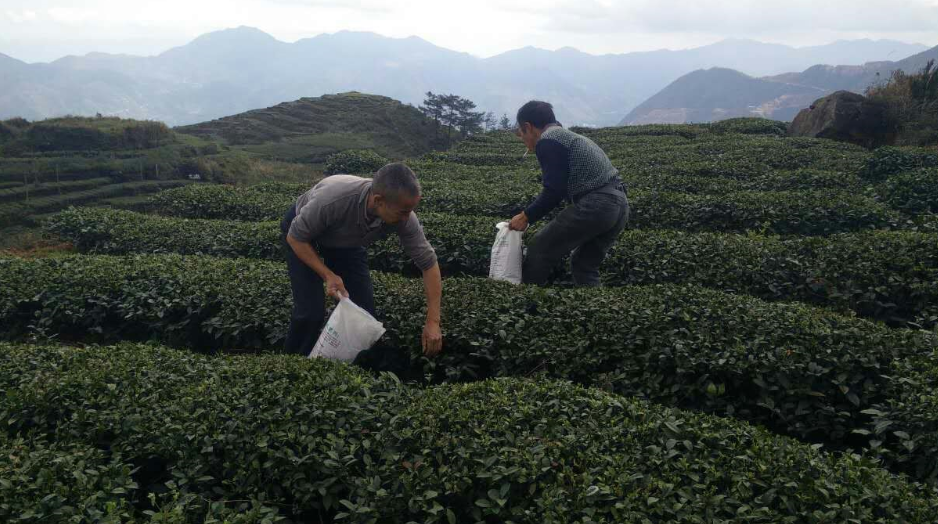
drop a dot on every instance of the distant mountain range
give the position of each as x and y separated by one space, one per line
232 71
717 94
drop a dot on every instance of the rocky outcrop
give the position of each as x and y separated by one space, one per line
843 116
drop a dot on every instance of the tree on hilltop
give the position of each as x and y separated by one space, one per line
453 112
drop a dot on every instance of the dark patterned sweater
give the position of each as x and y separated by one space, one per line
572 165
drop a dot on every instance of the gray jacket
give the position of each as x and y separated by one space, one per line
334 214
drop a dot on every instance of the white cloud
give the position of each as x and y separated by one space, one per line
20 17
745 16
74 15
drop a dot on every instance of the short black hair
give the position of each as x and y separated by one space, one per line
536 113
395 181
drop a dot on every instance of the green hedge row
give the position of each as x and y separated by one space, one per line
515 157
926 223
706 154
197 439
354 161
20 192
906 423
85 134
796 369
884 275
463 243
511 179
52 481
795 180
114 231
202 436
226 202
15 213
787 213
750 126
652 130
913 192
699 152
886 162
784 213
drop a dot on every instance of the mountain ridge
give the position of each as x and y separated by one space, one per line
779 96
234 70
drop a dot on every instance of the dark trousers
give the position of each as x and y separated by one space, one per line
309 302
588 227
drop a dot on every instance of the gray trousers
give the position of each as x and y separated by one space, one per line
309 297
588 227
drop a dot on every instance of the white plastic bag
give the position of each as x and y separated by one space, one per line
506 255
349 331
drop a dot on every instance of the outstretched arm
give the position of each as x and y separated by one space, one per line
432 334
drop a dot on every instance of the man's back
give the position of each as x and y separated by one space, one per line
589 167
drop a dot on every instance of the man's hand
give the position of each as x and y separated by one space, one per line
335 286
519 222
432 338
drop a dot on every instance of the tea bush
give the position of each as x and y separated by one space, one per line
816 212
750 126
796 369
356 161
889 276
247 439
913 192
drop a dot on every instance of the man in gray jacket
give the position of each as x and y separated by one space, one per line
577 171
336 220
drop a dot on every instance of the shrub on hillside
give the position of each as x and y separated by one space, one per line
750 126
354 162
9 130
17 122
913 192
889 161
7 133
911 101
93 134
143 135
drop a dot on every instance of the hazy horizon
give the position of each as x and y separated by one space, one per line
44 31
172 46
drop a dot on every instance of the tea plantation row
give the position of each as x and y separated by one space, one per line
108 434
26 210
890 276
788 213
704 157
796 369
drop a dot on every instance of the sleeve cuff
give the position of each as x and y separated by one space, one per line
426 262
533 214
297 234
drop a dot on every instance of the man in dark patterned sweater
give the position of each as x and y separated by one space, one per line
577 171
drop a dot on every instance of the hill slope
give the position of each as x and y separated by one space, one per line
856 78
49 165
309 129
716 94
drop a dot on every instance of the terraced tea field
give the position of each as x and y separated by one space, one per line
765 349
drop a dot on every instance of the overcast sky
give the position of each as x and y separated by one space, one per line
43 30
